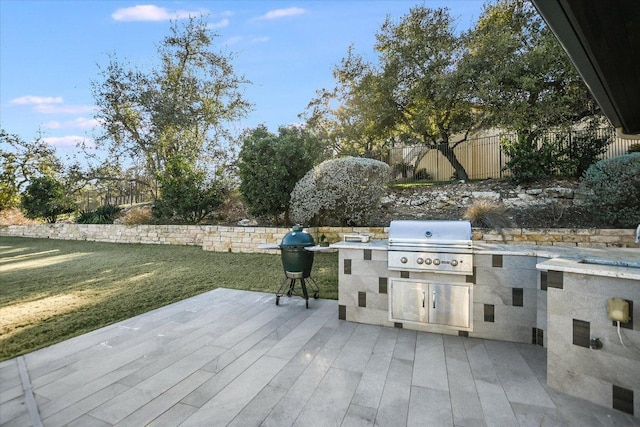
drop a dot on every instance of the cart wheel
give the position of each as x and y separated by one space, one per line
315 296
277 300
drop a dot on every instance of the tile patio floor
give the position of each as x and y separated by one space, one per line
231 357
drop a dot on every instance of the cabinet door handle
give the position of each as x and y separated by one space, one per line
424 297
434 299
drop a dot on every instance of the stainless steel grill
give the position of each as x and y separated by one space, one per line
434 246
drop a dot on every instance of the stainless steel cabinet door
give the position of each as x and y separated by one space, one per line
409 301
449 304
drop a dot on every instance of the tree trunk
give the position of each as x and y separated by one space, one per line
448 152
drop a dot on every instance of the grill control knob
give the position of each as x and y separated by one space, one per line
428 261
420 261
453 263
436 261
404 260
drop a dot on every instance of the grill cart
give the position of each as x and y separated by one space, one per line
297 261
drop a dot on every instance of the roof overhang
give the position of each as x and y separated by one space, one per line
602 39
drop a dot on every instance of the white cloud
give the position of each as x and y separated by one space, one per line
220 24
37 100
150 12
233 40
67 141
283 13
260 39
78 123
83 123
63 109
53 124
240 39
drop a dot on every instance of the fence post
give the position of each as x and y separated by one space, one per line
500 158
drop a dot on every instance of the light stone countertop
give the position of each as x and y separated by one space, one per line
622 263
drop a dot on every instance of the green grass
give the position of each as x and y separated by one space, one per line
52 290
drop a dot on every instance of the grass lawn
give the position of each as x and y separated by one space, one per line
52 290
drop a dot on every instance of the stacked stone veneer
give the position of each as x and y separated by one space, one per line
210 237
246 239
569 237
155 234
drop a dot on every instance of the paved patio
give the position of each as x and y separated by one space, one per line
231 357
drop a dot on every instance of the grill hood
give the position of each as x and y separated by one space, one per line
432 233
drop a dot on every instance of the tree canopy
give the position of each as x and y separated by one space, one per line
433 86
182 106
415 94
188 195
46 197
270 165
519 74
20 162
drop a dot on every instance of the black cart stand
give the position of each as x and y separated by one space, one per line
288 286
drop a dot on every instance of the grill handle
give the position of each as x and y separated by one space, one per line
434 299
424 297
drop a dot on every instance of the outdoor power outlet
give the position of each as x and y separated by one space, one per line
618 310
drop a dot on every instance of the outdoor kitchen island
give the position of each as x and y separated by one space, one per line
556 297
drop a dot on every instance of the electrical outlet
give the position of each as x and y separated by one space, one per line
618 310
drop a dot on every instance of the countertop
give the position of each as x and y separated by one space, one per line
622 263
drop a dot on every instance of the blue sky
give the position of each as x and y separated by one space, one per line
50 51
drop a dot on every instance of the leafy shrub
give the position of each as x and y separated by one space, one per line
634 148
270 165
344 191
584 150
9 197
530 160
613 186
46 197
102 215
186 193
487 214
85 217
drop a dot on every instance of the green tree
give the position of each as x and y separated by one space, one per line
46 197
346 118
182 106
521 77
524 82
415 95
186 193
20 162
269 166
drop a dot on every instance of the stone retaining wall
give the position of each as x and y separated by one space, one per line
246 239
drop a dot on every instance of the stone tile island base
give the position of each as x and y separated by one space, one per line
522 295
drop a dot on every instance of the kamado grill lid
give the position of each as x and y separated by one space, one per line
297 237
429 233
